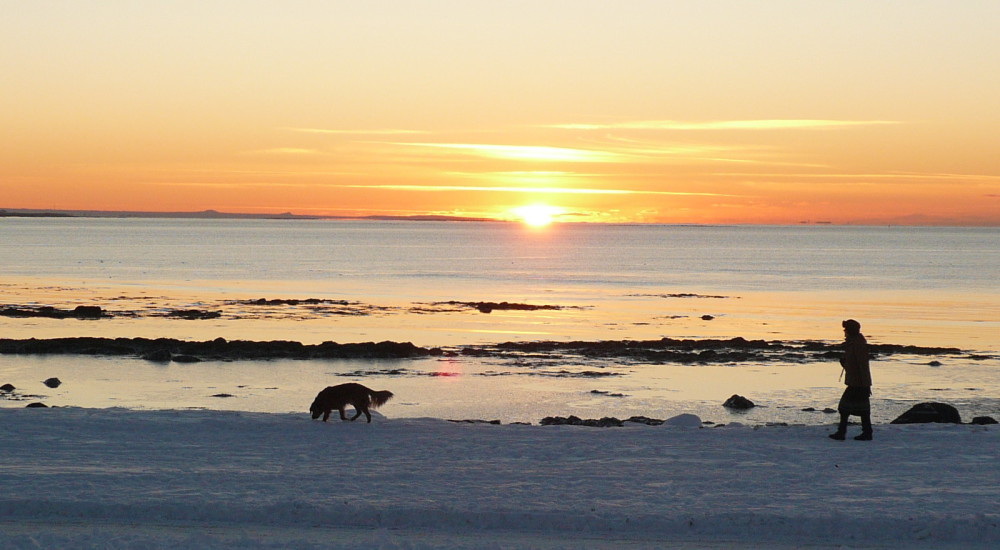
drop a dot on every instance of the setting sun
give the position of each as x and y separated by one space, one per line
537 215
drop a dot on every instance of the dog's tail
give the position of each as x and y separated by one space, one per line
378 398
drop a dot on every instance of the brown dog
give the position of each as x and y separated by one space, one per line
338 397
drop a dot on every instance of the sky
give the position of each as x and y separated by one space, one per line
640 111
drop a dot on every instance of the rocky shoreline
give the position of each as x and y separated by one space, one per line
662 351
219 349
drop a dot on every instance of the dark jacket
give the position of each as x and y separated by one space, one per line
857 371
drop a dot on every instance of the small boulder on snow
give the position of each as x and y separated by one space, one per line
684 421
923 413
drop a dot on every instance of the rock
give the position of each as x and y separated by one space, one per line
684 421
984 420
194 314
52 382
738 402
88 312
922 413
223 395
829 410
571 420
476 421
185 359
645 420
7 388
36 406
158 356
707 317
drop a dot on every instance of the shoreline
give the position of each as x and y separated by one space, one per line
663 350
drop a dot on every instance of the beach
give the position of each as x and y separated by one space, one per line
114 478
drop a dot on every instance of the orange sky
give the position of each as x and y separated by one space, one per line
643 111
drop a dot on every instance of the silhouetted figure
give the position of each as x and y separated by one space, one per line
858 377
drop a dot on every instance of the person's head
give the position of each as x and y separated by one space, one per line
851 327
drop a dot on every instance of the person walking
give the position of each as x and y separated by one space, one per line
858 377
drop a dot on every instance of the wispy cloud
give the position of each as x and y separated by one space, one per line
372 132
764 124
286 151
545 190
910 176
525 152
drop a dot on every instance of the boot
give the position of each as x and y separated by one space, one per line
841 428
866 428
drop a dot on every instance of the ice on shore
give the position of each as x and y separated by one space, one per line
116 478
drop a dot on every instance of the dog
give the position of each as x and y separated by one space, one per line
341 395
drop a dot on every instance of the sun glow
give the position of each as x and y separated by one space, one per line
537 215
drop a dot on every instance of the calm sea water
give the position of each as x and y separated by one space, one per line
926 286
429 255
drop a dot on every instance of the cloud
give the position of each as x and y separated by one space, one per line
765 124
287 151
900 176
356 132
545 190
525 152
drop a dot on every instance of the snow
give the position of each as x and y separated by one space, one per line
119 478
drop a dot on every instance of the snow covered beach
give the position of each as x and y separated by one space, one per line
116 478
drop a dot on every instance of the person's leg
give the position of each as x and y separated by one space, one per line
841 429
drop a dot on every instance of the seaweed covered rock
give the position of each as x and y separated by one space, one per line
571 420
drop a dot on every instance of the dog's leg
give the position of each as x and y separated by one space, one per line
343 416
326 415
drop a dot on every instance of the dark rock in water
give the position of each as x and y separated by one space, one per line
194 314
935 363
828 410
223 395
7 388
475 421
707 317
36 405
984 420
809 409
158 356
645 420
738 402
52 382
185 359
923 413
88 312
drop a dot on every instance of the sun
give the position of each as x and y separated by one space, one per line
537 215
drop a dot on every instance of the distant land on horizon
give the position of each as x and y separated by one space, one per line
212 214
912 220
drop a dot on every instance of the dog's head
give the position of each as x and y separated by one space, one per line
315 410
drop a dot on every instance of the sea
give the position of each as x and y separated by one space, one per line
423 282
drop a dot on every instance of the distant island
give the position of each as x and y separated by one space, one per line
215 214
